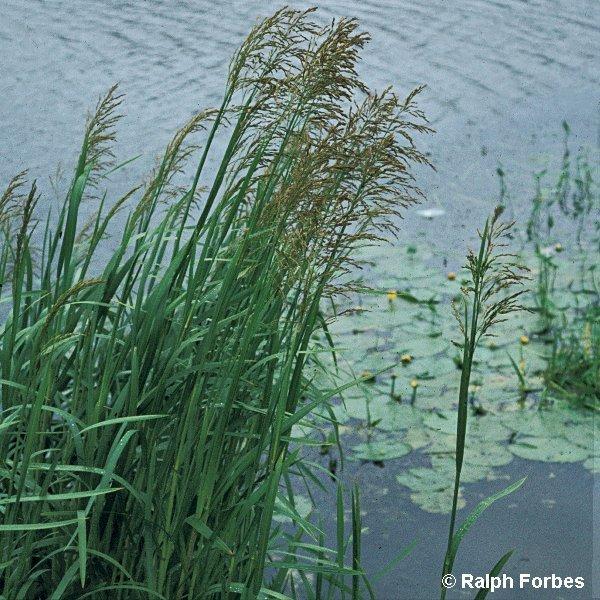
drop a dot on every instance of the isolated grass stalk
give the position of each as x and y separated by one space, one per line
149 386
492 294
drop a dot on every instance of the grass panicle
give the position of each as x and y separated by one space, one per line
151 384
492 294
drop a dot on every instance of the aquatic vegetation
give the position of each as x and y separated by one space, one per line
546 287
157 397
508 416
568 316
512 397
156 387
492 294
573 370
378 450
500 419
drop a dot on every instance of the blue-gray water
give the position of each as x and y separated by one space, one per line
549 523
502 75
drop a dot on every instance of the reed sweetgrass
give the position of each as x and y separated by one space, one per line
150 382
493 292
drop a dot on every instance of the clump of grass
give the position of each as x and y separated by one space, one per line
573 369
148 398
492 294
572 202
568 323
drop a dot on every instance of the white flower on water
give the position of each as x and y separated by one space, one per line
430 213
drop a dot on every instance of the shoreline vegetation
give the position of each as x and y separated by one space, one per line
148 408
164 384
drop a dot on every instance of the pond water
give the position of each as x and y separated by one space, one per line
502 76
398 430
542 523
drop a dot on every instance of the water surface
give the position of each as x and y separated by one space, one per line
501 77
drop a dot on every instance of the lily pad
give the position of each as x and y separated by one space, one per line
380 450
488 428
416 437
548 450
487 455
437 502
445 467
302 505
581 433
592 464
422 479
400 416
442 421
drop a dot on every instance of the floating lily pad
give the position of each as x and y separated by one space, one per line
422 479
488 428
416 437
422 346
380 450
442 421
400 416
487 454
438 502
592 464
445 468
548 450
581 433
363 408
441 443
283 511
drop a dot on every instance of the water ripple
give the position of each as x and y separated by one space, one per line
483 61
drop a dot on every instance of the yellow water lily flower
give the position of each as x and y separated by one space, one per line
368 376
558 247
524 340
406 359
451 276
414 383
392 295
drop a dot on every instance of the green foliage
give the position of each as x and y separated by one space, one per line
486 300
570 326
574 365
470 520
149 387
